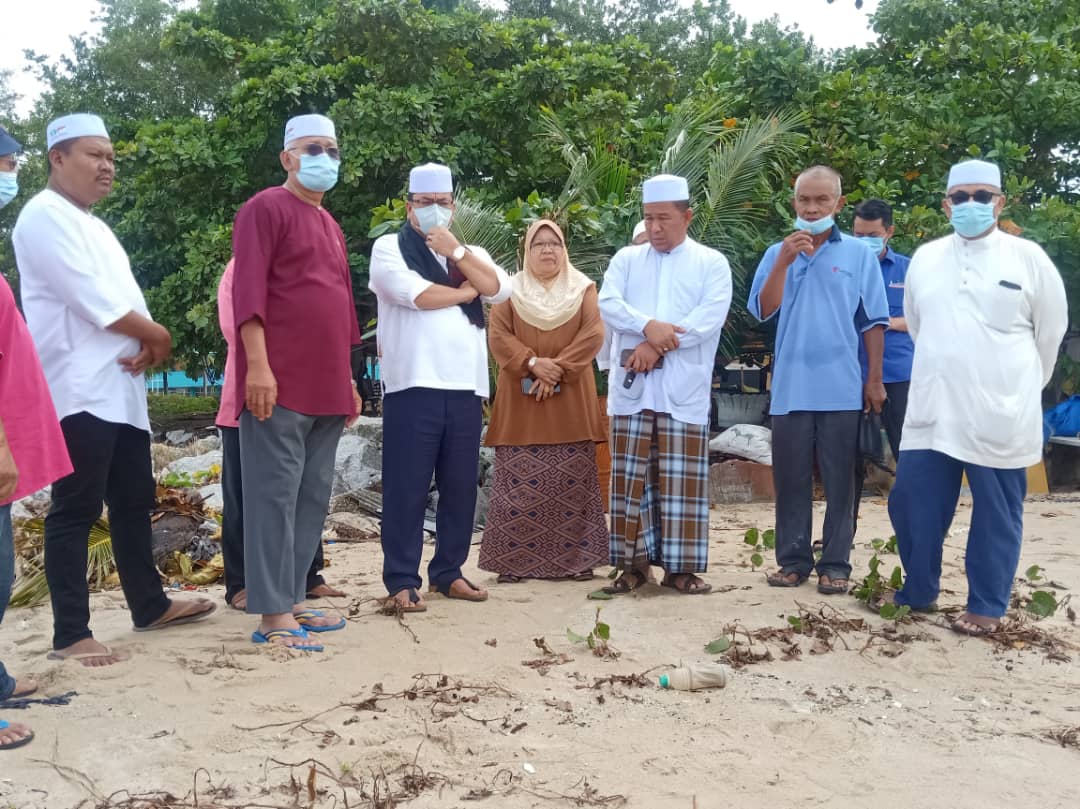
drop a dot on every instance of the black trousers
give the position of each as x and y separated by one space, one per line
112 464
892 419
232 519
797 437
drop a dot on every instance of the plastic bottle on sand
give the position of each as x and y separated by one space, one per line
694 676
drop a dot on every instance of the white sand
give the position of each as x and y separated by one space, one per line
951 722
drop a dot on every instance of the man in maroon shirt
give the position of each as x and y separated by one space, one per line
296 325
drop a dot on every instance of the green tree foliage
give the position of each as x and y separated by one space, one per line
557 107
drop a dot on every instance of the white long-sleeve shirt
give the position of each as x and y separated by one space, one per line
76 281
987 317
427 348
689 287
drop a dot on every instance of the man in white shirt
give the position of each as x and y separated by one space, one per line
987 312
431 290
665 303
95 338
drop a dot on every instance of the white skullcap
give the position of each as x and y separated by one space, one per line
431 178
974 172
639 228
79 125
665 188
309 126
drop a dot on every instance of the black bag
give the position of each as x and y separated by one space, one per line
871 447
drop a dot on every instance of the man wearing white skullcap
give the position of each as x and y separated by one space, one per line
295 326
96 339
665 302
987 312
434 366
827 292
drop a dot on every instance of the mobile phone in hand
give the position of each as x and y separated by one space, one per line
527 383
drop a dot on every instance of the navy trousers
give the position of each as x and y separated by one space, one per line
428 432
922 505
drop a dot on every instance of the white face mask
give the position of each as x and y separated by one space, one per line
433 216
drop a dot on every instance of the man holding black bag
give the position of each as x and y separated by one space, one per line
431 291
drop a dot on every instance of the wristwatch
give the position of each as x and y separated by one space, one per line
459 252
532 362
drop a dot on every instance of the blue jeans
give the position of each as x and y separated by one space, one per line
7 575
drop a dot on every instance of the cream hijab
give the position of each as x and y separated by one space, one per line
546 305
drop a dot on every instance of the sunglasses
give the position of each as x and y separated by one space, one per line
315 150
982 197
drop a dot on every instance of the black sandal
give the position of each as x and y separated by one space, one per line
689 584
627 582
782 579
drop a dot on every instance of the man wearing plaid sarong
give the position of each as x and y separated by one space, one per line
664 303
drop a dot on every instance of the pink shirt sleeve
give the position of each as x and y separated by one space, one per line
226 416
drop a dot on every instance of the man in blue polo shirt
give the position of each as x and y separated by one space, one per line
827 288
874 226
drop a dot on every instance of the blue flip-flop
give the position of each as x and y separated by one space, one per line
4 725
304 616
267 637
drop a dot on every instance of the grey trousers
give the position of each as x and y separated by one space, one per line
288 473
795 438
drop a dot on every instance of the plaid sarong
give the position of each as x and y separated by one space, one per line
659 493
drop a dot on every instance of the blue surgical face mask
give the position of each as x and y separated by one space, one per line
875 243
318 172
433 216
9 187
817 227
973 218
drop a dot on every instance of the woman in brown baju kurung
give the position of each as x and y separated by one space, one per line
546 519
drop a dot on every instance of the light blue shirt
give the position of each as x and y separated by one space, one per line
829 300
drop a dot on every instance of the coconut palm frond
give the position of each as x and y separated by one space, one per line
589 259
31 587
740 171
100 559
475 223
695 128
552 129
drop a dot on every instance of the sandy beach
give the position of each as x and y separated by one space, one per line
441 711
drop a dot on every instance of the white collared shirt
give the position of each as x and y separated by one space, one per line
75 280
427 348
987 317
689 287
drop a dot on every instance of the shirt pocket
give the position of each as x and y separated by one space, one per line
1000 303
630 392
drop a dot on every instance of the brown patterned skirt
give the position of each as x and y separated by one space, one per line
546 519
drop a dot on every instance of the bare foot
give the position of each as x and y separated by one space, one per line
976 625
14 734
409 600
88 652
325 591
239 601
467 592
182 611
24 688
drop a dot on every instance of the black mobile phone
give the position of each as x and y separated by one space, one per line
527 383
625 358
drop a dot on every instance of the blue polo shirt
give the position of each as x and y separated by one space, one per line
829 300
899 347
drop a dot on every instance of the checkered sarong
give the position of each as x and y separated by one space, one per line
659 493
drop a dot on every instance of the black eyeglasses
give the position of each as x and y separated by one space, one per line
315 150
980 196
